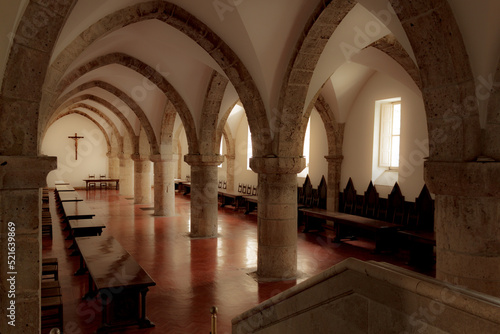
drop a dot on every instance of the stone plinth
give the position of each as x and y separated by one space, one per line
277 216
164 186
126 176
142 180
204 192
20 205
467 216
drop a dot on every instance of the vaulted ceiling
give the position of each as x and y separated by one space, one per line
263 34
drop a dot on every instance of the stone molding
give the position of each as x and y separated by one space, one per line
277 165
469 179
25 172
336 159
203 160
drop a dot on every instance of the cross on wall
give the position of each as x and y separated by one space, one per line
76 137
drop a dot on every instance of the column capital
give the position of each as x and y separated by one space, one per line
139 157
277 165
124 156
469 179
164 158
203 160
336 159
25 172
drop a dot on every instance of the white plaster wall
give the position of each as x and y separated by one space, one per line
92 150
318 166
241 174
358 137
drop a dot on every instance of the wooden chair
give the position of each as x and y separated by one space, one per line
92 184
103 184
322 193
370 200
349 198
308 193
396 206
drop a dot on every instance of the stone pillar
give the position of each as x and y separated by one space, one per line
113 166
142 179
230 171
467 223
126 176
164 186
20 209
333 182
204 192
277 216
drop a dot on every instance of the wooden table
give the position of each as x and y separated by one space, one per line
83 228
63 187
77 210
69 196
116 181
61 183
117 279
385 233
230 197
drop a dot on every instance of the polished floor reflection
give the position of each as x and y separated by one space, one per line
191 275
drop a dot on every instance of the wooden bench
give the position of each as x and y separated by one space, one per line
383 231
117 279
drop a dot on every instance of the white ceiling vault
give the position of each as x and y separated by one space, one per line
263 34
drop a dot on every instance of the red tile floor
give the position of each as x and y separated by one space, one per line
191 275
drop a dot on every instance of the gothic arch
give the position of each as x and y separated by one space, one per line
129 144
148 72
209 118
112 126
182 20
93 120
334 130
133 106
444 71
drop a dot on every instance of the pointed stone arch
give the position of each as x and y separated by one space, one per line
130 142
93 120
112 126
146 71
210 114
182 20
446 78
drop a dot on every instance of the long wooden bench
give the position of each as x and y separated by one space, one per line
383 231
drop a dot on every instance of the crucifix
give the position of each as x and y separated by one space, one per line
75 137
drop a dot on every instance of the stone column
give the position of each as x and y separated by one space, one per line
142 179
164 186
467 223
21 178
204 192
333 182
113 165
277 216
230 171
126 175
